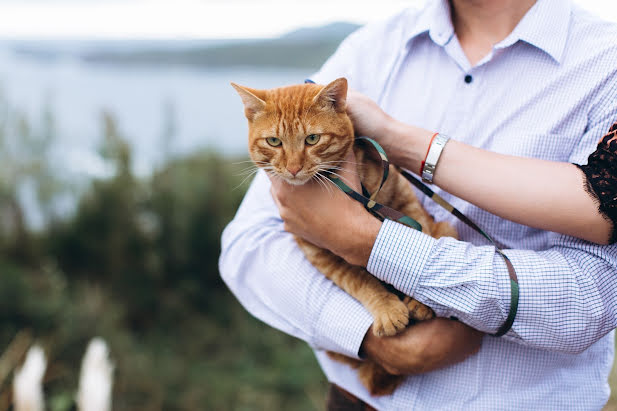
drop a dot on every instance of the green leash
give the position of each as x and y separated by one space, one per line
384 212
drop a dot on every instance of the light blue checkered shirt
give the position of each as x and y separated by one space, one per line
549 90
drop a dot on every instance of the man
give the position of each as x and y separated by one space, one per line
528 78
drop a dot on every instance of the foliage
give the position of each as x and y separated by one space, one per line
137 264
24 167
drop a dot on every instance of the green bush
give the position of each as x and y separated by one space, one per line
137 265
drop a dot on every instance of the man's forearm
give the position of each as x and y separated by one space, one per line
270 276
423 347
471 283
518 189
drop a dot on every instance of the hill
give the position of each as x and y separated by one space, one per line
303 48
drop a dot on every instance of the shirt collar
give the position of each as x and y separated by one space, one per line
545 26
435 19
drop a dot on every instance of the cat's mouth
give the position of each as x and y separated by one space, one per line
297 180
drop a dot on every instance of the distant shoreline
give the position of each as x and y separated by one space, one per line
304 48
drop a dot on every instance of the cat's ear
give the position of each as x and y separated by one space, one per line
333 96
252 99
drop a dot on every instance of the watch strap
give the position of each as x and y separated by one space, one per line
432 157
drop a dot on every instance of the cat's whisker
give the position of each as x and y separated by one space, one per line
338 161
334 168
245 171
341 162
318 178
245 179
268 169
341 177
328 183
324 171
251 170
331 170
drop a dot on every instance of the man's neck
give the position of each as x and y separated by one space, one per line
480 24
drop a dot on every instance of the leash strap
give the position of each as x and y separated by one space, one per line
382 212
514 288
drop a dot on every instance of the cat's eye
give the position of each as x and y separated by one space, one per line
312 139
273 141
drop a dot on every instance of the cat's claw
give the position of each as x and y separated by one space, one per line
392 318
418 311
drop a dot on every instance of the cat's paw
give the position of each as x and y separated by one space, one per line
418 311
391 318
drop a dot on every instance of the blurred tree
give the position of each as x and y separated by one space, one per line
27 178
136 263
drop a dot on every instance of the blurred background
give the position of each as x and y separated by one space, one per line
120 139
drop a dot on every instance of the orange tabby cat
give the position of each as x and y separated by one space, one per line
297 133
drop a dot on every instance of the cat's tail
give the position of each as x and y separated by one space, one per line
96 379
372 375
28 380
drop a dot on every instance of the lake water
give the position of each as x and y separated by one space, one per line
198 105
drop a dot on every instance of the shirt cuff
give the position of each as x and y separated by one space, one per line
399 255
342 325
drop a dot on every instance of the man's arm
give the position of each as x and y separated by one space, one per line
265 269
567 292
519 189
568 296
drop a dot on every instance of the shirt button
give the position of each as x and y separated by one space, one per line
468 78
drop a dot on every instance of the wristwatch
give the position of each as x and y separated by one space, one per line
432 157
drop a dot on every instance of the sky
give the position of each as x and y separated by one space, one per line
197 18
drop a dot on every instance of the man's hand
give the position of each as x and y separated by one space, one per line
367 117
423 347
328 218
405 144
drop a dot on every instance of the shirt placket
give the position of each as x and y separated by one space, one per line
461 103
464 95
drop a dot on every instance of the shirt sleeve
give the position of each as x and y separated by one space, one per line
601 178
268 273
357 56
264 267
568 292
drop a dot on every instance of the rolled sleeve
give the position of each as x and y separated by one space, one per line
342 325
567 292
264 267
399 255
454 278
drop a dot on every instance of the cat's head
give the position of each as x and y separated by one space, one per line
297 131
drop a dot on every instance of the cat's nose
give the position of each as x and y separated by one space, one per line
294 169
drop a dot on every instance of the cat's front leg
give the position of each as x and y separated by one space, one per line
390 315
417 310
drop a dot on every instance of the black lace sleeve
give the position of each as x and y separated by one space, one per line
601 175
